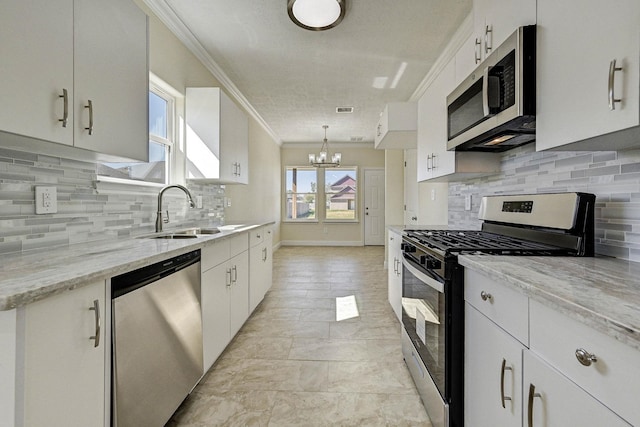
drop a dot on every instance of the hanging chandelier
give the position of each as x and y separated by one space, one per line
316 15
322 160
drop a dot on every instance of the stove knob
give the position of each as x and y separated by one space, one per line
434 264
407 247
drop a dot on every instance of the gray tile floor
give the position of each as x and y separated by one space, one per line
294 364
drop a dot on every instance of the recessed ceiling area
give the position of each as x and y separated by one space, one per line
294 78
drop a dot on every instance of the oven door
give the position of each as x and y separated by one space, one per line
424 321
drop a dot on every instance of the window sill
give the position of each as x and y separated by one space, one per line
300 221
341 221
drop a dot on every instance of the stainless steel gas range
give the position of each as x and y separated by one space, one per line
560 224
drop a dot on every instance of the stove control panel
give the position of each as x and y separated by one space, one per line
518 206
430 262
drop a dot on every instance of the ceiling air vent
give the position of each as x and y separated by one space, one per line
357 138
344 110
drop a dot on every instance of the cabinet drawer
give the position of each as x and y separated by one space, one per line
506 307
238 244
215 254
257 236
612 379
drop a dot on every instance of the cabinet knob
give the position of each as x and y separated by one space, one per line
486 296
585 358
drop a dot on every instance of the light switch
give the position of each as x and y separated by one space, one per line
46 200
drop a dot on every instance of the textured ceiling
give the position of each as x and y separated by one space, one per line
294 79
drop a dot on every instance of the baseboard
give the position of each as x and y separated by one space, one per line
322 243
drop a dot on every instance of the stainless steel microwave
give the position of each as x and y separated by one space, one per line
494 109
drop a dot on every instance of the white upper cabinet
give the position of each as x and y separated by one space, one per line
64 54
217 137
578 43
397 126
495 20
37 69
111 75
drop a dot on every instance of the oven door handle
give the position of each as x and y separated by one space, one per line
421 276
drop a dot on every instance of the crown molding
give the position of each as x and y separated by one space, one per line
457 40
172 21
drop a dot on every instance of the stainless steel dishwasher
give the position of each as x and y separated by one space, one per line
157 340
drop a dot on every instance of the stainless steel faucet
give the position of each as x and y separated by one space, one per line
159 219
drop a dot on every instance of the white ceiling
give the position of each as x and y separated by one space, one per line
294 79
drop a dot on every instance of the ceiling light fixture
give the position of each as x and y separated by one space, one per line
321 161
316 15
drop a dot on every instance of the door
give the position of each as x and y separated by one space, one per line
36 67
64 364
111 71
374 207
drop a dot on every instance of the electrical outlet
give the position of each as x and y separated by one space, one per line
228 201
467 202
433 194
199 202
46 200
325 230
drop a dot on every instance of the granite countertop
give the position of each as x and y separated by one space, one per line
603 293
29 277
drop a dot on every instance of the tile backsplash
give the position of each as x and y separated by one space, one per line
614 177
87 210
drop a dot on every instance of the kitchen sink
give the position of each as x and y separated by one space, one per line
187 233
195 231
174 236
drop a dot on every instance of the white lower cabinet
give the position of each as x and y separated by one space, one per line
65 356
216 330
260 265
493 373
553 400
225 294
394 266
522 364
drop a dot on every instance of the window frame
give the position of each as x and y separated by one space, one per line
285 196
156 87
320 196
356 213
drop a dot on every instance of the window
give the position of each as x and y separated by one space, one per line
305 199
161 118
341 194
301 193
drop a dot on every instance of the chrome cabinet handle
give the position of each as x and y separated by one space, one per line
612 78
228 278
486 296
433 161
239 169
235 274
532 395
477 51
428 161
96 309
264 254
487 30
90 107
585 358
65 108
395 265
379 126
504 368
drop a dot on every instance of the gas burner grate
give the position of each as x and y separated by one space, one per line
481 242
